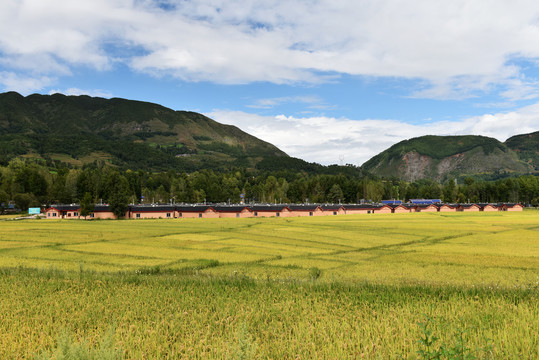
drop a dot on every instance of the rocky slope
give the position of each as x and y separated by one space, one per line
527 148
442 157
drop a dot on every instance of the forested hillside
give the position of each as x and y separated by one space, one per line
31 184
527 148
80 130
444 157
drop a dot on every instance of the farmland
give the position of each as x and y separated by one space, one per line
327 287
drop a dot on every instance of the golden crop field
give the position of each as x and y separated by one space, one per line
323 287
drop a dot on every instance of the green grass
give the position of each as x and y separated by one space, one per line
327 287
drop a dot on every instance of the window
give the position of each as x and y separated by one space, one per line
310 213
199 215
53 214
237 215
256 213
92 216
75 214
168 215
138 216
180 215
277 214
68 214
334 213
49 215
368 211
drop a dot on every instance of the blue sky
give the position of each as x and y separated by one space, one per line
326 81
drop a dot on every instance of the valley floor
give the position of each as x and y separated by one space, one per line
330 287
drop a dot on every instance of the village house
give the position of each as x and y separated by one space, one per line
366 208
151 212
488 207
396 209
426 208
176 211
330 209
101 212
196 211
447 208
468 207
233 211
510 207
270 210
305 210
63 211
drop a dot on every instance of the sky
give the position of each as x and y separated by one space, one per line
328 81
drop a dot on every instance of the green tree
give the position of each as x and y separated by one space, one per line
450 191
4 198
335 194
86 205
25 200
118 193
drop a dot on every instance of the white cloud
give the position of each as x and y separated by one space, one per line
458 47
23 84
325 139
268 103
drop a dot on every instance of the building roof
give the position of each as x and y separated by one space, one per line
483 205
364 206
64 207
425 206
467 206
269 207
193 208
230 208
425 201
395 206
101 208
152 208
304 207
410 206
510 204
394 202
449 205
332 207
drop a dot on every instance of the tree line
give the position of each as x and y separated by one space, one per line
28 184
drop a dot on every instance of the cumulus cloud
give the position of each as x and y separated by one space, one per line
457 47
24 84
326 140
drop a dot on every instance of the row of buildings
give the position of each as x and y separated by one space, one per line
177 211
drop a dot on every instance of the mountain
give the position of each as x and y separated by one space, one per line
527 148
129 134
441 157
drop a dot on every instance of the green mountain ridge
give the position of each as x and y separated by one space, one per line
527 148
442 157
125 133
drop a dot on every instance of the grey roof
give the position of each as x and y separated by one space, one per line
102 208
230 208
152 208
64 207
364 206
269 207
193 208
424 206
331 207
306 207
